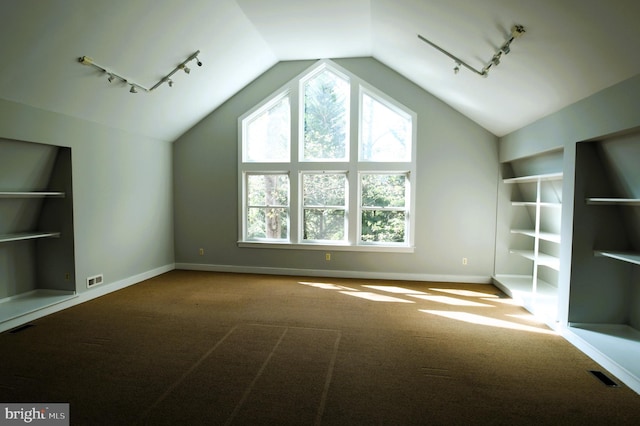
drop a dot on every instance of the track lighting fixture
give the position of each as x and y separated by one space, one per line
85 60
516 31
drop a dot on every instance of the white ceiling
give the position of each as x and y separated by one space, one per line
571 49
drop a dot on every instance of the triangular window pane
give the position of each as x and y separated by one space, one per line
385 132
267 134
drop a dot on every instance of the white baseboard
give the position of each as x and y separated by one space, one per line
329 273
84 296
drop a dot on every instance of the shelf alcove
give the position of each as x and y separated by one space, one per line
36 231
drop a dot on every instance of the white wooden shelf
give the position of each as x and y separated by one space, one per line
624 256
614 201
547 236
533 204
534 178
614 346
32 301
32 194
542 259
6 238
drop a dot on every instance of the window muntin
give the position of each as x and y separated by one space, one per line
383 203
267 132
267 215
324 205
325 117
385 132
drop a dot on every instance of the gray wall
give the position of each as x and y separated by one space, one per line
122 192
457 172
609 111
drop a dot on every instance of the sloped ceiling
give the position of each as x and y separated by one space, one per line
571 49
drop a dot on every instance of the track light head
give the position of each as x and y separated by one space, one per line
456 69
517 31
111 78
198 62
170 83
133 89
187 70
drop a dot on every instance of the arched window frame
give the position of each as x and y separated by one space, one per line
354 167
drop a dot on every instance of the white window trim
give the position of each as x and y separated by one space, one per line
354 168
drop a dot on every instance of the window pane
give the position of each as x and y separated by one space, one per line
379 190
322 193
385 134
267 135
383 226
326 108
267 223
325 189
267 206
324 224
268 190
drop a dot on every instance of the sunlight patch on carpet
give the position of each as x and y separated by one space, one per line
465 293
375 297
487 321
451 301
394 289
326 286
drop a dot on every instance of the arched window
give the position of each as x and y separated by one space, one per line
309 178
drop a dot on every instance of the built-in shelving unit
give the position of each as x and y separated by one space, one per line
604 306
527 265
36 234
534 289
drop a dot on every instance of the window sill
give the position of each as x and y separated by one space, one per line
327 247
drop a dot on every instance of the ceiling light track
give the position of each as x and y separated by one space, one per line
516 31
112 76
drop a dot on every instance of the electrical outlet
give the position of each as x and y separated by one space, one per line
464 261
201 252
327 257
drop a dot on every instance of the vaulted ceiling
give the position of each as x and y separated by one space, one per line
570 50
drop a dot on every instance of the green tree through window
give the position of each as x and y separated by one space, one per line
326 98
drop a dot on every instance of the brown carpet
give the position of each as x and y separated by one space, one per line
201 348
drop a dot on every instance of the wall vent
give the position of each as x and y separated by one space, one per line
95 280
